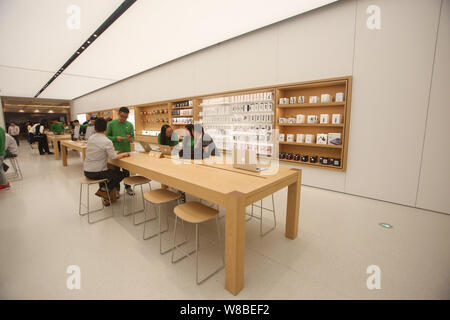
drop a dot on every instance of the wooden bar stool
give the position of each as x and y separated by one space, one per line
157 198
133 182
196 213
261 233
88 182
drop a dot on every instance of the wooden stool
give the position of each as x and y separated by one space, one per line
88 182
133 182
261 233
196 213
157 198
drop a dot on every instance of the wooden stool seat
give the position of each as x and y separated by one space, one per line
85 180
136 180
160 196
195 212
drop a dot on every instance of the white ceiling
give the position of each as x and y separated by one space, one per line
36 41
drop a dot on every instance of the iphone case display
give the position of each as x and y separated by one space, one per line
244 120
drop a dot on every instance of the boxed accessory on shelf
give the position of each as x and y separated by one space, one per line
291 120
290 138
281 136
324 160
313 119
289 156
310 138
336 162
300 118
282 155
313 99
336 118
334 138
339 97
292 100
300 138
325 98
301 99
324 118
282 120
304 158
296 157
322 138
313 159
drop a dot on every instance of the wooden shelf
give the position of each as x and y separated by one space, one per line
178 116
188 107
316 145
310 125
312 164
309 105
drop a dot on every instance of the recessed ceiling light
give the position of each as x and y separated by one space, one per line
82 48
95 35
78 52
89 42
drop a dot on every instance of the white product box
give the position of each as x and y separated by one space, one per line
291 120
281 101
325 98
313 99
334 138
300 118
336 118
322 138
292 100
300 138
324 118
282 120
301 99
312 119
310 138
290 138
339 96
281 136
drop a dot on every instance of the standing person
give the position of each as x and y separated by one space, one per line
90 128
57 127
99 149
14 131
4 184
121 133
76 130
29 125
39 135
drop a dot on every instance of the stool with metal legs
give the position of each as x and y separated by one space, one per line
261 216
133 182
196 213
88 182
17 175
157 198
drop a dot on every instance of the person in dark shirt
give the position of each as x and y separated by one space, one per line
198 144
167 137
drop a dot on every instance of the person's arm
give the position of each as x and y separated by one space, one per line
159 138
110 151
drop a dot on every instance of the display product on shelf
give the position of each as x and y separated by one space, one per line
336 118
300 138
334 138
313 119
324 118
310 138
321 138
325 98
339 97
313 99
300 118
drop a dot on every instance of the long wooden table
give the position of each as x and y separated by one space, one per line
55 138
73 145
230 188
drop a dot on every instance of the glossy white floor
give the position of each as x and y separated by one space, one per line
41 234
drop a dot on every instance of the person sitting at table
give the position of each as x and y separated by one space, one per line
167 137
11 149
197 144
99 149
38 134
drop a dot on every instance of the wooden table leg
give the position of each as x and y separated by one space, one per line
56 149
83 153
64 155
234 243
293 208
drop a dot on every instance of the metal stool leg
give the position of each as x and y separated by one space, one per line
143 206
156 233
103 207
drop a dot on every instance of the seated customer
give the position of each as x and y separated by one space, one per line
198 144
167 137
11 150
4 184
99 149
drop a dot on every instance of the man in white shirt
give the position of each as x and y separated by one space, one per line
99 149
14 131
76 130
90 129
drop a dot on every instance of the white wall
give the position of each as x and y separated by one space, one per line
392 70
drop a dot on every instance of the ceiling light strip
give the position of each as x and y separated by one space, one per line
105 25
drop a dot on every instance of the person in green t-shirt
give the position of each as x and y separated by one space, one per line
57 127
4 184
167 137
121 133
